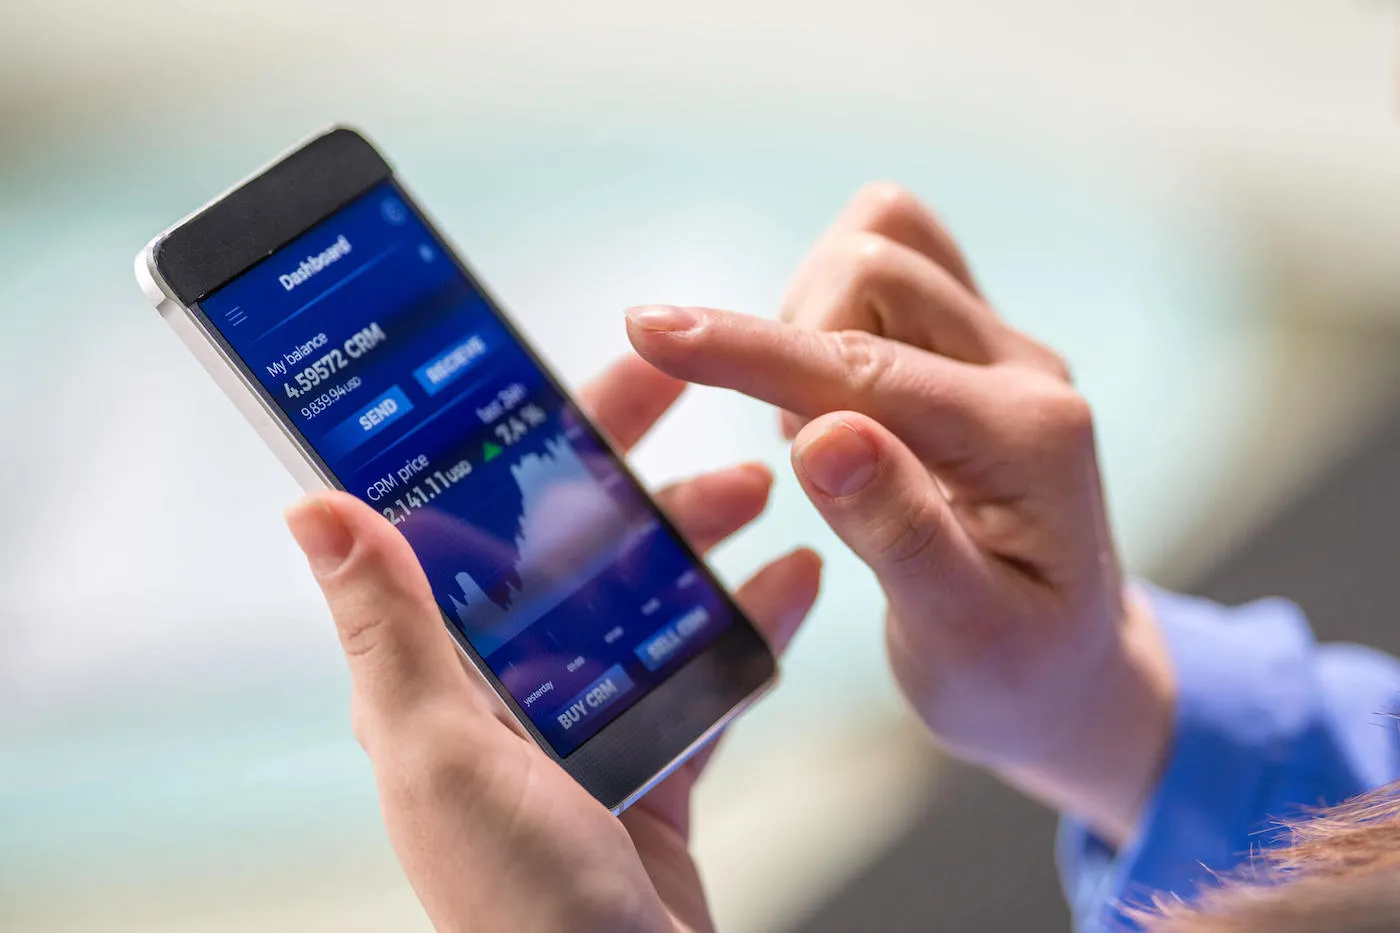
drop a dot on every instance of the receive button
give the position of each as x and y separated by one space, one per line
663 644
449 365
365 423
596 697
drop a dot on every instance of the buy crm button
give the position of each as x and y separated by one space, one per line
595 698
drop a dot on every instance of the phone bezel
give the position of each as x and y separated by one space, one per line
263 213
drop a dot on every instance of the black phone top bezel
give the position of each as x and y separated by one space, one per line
267 212
304 188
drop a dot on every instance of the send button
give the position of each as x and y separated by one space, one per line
365 423
596 697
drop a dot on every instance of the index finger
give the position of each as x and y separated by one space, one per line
937 405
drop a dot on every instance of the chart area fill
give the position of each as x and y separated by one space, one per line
566 529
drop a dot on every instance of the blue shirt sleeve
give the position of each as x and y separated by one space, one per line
1267 723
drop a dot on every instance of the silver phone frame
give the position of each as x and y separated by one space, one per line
303 464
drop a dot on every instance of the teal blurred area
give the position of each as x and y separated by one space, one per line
174 743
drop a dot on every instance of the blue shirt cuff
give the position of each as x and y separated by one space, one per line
1245 692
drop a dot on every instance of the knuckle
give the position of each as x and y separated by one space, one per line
867 259
864 359
908 538
361 629
850 270
1058 366
1049 360
361 724
880 203
369 599
1062 415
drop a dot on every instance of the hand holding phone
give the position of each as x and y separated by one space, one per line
492 833
372 360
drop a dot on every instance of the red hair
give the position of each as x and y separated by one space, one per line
1339 873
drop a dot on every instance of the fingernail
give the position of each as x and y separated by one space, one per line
321 533
663 318
839 461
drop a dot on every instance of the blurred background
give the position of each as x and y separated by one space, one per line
1197 201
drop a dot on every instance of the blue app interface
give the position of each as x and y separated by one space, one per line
399 373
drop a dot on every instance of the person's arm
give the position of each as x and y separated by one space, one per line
1266 723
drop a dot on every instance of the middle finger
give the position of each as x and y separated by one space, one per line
711 507
628 398
864 281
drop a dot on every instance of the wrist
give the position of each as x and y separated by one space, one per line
1108 760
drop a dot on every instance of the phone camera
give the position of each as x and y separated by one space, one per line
393 211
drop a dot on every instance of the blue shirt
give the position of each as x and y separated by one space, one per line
1268 723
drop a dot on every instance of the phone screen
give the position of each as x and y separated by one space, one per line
420 399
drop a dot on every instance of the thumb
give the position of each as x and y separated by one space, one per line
884 504
392 631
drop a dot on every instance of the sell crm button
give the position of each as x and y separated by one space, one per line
666 642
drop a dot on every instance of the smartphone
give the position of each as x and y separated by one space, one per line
370 358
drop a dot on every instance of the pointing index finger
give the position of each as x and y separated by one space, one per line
930 401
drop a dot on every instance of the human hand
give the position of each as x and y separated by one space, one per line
492 834
952 453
